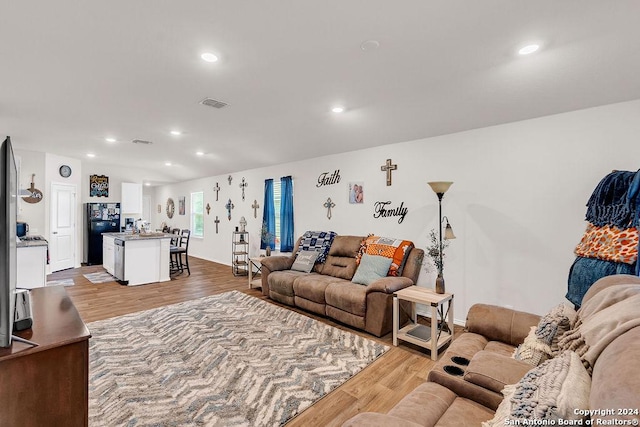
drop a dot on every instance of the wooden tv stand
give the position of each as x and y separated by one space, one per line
48 384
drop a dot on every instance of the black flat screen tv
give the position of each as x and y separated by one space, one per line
8 248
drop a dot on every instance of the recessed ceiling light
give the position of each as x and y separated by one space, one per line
337 109
90 155
176 132
209 57
199 153
370 45
167 163
526 50
110 139
147 184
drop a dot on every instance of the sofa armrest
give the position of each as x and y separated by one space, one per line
277 263
389 285
500 324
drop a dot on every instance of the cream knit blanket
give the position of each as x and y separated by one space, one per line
607 315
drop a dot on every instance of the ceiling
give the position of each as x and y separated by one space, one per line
76 72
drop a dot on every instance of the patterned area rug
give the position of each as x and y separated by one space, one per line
100 277
63 282
224 360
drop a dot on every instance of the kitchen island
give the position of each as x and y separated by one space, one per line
137 259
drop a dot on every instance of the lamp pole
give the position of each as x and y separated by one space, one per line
440 230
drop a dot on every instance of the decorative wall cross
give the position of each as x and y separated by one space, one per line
208 208
230 178
216 189
217 221
388 167
229 206
329 204
243 185
255 207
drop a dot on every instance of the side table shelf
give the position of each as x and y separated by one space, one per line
432 338
240 253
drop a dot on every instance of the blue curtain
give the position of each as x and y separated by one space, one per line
286 214
268 232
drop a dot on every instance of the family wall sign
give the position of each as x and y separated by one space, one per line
383 210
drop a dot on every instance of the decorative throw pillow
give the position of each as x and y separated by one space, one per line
394 249
554 324
319 241
556 389
305 260
371 268
532 351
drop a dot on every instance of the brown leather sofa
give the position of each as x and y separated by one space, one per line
328 289
492 334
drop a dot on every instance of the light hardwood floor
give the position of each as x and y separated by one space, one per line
377 388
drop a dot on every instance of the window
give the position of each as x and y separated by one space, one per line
197 214
276 204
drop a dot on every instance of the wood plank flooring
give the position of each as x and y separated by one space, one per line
377 388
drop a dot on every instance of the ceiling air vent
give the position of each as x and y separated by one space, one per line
213 103
141 141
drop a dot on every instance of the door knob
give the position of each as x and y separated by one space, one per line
55 232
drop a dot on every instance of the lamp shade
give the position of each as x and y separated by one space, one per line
448 232
440 187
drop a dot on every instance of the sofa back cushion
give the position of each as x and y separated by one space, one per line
341 261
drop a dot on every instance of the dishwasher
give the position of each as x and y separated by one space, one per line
118 254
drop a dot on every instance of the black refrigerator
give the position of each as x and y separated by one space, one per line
99 218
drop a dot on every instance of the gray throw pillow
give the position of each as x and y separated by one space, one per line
305 260
371 268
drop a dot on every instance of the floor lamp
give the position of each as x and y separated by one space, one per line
441 187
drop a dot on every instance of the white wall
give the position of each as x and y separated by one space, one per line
517 203
32 162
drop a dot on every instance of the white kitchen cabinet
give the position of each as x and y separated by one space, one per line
131 198
32 266
108 260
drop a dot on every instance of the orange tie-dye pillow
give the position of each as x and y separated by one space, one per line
396 249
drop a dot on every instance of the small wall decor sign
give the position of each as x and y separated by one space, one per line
181 206
98 186
380 210
326 179
356 192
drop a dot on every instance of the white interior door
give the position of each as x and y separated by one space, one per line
62 241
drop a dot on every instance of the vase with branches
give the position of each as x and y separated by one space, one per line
266 237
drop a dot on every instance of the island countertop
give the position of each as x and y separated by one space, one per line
139 236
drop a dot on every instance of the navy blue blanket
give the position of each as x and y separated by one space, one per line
586 271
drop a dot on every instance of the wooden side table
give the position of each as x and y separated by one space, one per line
257 263
432 338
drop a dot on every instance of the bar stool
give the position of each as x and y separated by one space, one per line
174 256
182 249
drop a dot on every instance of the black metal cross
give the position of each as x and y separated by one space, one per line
329 204
217 221
229 206
216 189
255 207
243 185
388 167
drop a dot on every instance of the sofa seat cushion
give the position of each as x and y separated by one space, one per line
347 296
312 286
500 348
494 371
281 282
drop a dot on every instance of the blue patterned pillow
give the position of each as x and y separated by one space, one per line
319 241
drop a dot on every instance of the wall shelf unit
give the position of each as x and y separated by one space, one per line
240 253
